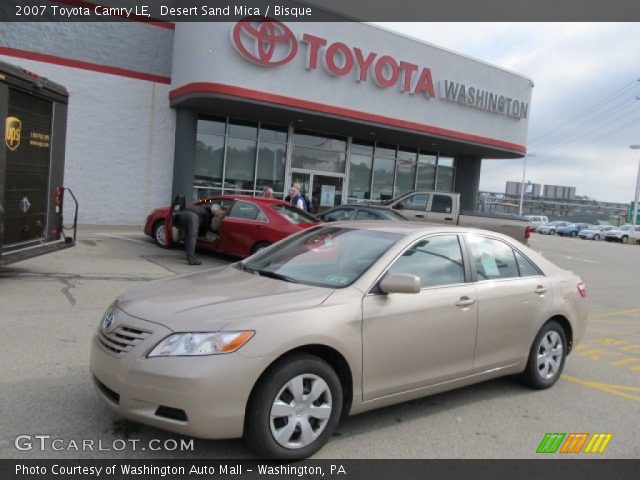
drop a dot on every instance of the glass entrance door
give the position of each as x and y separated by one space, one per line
324 191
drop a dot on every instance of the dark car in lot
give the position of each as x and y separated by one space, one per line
572 230
251 224
360 212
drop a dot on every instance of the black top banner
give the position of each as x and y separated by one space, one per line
319 10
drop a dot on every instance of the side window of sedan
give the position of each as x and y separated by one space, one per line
435 260
338 215
246 211
364 215
493 258
527 269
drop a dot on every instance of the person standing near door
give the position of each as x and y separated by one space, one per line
195 220
297 199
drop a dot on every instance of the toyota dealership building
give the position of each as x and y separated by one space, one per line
349 110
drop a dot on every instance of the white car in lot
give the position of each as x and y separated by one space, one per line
623 234
595 232
552 227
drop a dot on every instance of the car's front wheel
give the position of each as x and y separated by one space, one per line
625 239
596 237
552 232
546 357
294 408
574 234
159 234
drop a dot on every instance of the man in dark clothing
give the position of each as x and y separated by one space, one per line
194 220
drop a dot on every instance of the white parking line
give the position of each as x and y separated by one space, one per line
569 257
123 238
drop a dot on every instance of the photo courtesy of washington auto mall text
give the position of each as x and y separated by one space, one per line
320 239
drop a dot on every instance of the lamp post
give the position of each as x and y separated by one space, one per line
524 173
635 199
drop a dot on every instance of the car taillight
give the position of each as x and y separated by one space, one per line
527 232
582 289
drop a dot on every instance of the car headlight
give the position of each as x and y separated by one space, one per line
188 344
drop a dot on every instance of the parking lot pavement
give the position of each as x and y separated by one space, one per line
50 307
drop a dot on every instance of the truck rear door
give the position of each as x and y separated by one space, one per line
28 154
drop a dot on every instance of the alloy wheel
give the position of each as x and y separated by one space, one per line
550 352
159 234
300 411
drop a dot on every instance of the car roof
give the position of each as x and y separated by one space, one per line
408 228
260 200
365 207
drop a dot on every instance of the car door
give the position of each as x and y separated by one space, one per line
413 207
513 299
415 340
241 228
441 209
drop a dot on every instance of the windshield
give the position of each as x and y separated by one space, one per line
325 256
294 214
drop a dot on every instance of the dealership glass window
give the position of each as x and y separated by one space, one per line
445 174
271 165
405 171
315 152
360 165
384 165
426 177
242 129
209 157
240 165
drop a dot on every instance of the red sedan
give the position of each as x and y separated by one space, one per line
252 223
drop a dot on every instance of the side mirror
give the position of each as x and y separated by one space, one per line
400 283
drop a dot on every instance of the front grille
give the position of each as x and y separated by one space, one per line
122 339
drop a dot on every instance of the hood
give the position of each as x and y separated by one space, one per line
210 299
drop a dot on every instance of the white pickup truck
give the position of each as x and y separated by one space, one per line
444 207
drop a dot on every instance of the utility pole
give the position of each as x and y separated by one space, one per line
635 198
524 173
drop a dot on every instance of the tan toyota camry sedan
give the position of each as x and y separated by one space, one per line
335 320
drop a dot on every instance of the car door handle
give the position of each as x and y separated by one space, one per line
419 216
540 290
449 218
465 302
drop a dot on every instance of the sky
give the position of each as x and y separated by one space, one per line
587 69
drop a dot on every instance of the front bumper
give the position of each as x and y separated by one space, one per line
197 396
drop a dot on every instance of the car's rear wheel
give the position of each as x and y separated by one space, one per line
596 237
546 357
294 408
159 234
259 246
552 232
625 239
574 234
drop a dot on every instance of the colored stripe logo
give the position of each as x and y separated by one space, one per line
574 443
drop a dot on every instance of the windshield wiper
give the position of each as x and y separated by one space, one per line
278 276
244 268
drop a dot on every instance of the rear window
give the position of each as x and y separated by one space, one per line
294 214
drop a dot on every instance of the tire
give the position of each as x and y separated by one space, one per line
259 246
550 336
308 372
596 237
159 233
574 234
552 232
625 239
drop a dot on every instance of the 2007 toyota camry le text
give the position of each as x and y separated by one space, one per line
334 320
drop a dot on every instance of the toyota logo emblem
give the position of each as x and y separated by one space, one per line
107 321
268 43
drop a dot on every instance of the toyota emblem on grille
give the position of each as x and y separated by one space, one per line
267 42
108 320
25 204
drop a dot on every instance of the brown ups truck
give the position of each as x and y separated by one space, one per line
33 117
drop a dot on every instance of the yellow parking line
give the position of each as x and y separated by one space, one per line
615 313
619 390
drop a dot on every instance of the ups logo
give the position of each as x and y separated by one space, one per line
12 133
